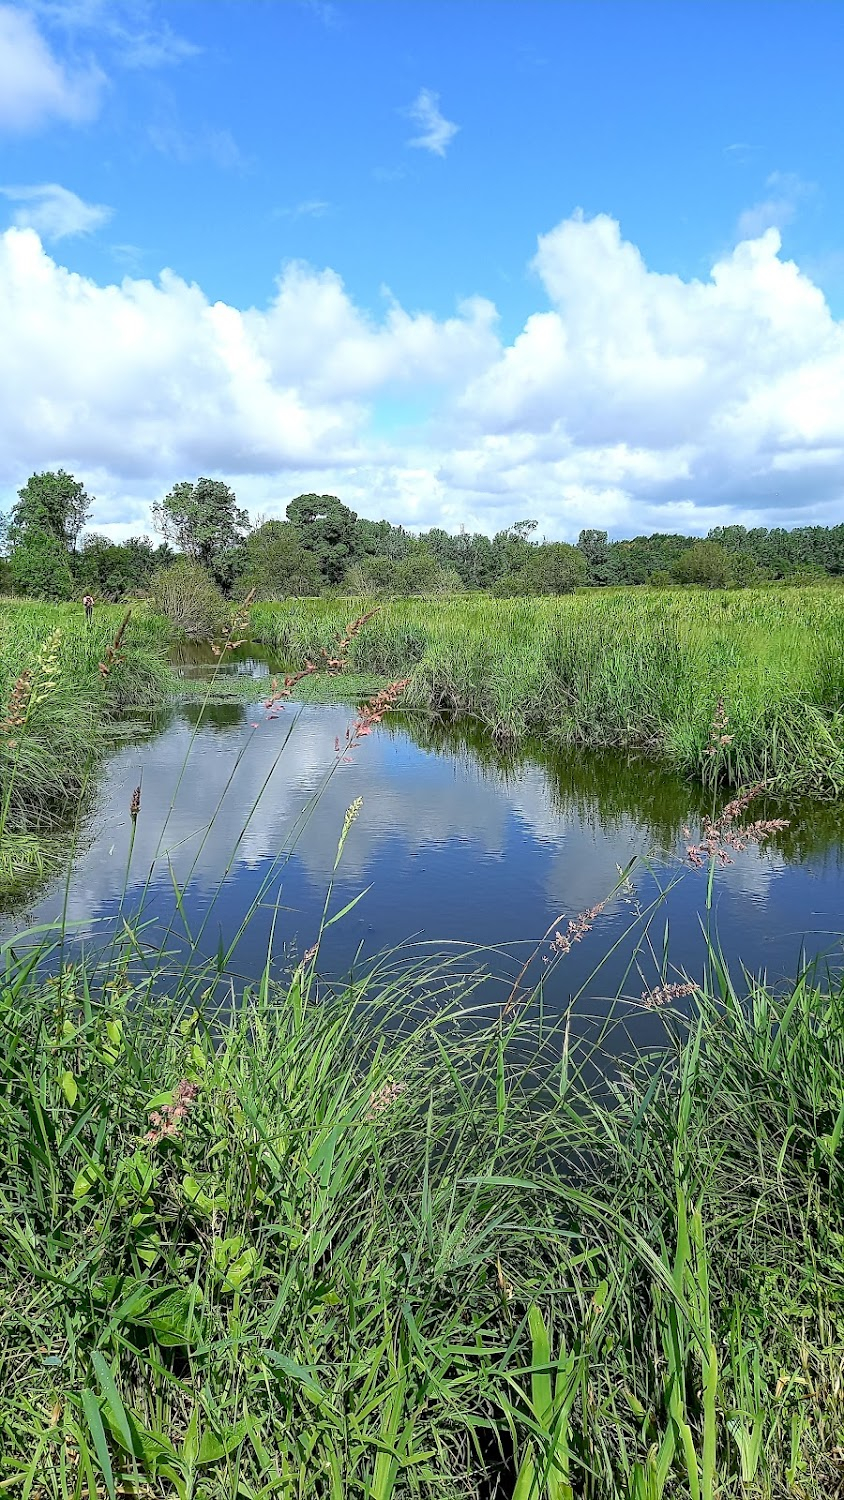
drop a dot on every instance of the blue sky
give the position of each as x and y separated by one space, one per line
457 262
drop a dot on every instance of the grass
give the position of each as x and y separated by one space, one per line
368 1244
288 1239
636 669
348 687
57 706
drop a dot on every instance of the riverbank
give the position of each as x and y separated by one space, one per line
296 1243
644 670
62 682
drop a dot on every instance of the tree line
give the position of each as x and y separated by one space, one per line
324 546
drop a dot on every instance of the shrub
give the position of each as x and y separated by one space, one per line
189 599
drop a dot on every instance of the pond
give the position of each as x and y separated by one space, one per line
455 845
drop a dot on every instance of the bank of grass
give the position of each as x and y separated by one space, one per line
633 668
363 1243
346 687
56 709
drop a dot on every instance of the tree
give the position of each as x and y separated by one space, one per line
113 569
552 568
205 521
39 567
595 548
55 504
328 529
275 564
707 564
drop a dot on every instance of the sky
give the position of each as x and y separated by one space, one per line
459 262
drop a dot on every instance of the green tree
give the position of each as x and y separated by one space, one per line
205 522
595 548
276 564
113 569
552 568
707 564
40 568
328 530
53 503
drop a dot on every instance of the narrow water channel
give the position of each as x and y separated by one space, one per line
454 844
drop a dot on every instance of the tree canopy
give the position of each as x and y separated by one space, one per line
202 517
54 504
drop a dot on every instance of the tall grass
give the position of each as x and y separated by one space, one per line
637 669
349 1245
55 707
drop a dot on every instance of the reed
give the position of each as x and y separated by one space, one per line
642 670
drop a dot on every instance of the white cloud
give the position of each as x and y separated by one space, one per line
435 132
35 86
631 399
778 209
129 28
309 208
203 144
54 211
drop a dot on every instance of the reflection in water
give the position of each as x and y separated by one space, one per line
456 843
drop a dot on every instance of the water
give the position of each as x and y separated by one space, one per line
455 846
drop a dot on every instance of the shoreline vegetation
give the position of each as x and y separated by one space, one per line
639 670
377 1242
286 1238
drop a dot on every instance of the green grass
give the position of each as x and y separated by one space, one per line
391 1249
68 704
291 1239
636 669
346 687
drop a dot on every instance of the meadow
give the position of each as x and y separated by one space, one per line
643 670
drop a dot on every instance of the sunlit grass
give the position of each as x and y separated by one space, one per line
638 669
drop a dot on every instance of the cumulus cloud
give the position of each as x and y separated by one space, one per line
631 398
54 211
435 132
36 88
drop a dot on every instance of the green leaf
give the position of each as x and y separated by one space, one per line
86 1180
91 1409
68 1087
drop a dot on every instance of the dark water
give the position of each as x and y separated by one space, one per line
454 844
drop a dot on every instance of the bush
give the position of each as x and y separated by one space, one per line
706 563
186 595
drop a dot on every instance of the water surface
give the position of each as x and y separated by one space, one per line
454 844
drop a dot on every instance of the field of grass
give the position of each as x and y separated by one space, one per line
55 705
357 1244
638 669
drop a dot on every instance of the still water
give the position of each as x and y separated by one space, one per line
455 846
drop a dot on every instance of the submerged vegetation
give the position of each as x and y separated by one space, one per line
641 670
